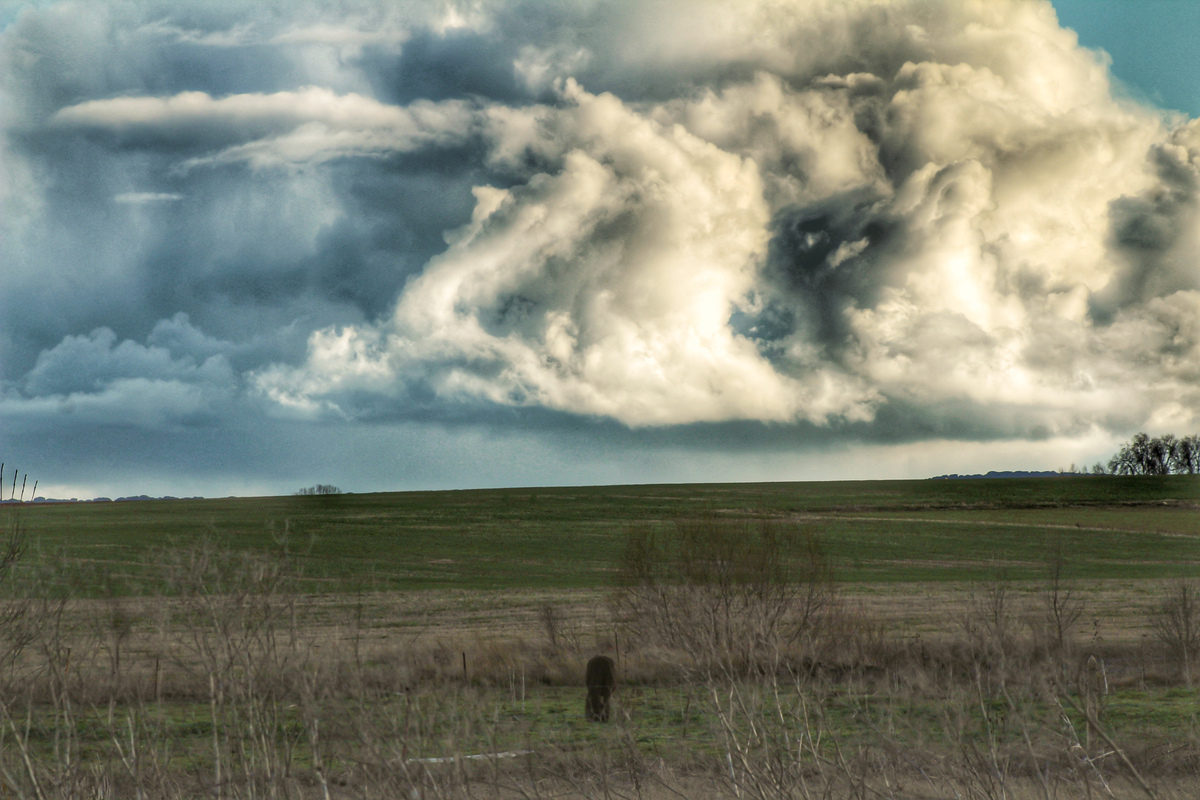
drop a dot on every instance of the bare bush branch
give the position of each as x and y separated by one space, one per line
1175 623
728 592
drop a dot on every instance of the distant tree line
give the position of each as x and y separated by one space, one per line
1158 455
320 488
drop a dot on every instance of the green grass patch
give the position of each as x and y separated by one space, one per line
550 538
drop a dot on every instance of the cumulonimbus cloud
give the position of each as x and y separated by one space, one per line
703 212
603 288
803 244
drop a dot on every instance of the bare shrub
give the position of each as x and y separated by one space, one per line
849 641
561 631
13 544
239 605
33 620
1175 624
1058 609
14 609
1061 605
551 619
725 592
238 629
990 620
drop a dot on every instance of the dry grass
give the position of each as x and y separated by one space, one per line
238 685
498 629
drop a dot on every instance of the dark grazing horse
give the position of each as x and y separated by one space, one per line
600 682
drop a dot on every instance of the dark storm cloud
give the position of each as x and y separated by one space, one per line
1154 232
435 66
701 225
828 258
64 53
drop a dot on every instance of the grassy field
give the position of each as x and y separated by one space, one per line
347 646
881 531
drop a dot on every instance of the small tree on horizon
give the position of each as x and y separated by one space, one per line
320 488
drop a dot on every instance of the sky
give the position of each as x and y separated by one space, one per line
251 247
1152 44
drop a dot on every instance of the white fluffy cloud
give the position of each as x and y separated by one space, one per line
938 220
658 213
605 288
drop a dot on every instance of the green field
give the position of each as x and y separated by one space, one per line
391 632
558 538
